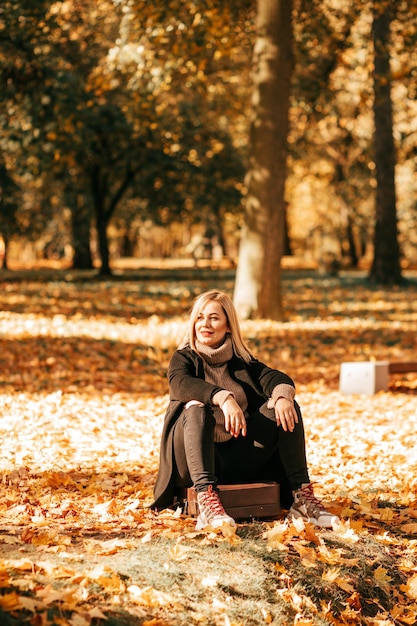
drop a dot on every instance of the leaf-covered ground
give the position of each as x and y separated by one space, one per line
82 397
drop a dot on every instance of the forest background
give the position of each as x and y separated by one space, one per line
129 123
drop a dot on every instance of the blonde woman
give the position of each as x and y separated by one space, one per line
231 419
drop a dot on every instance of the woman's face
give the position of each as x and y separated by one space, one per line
211 325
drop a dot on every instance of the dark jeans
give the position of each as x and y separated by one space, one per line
200 461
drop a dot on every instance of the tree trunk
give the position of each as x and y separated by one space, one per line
258 281
99 192
287 250
80 224
103 244
386 268
5 264
353 254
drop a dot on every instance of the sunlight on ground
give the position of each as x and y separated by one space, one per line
362 443
83 392
355 444
66 431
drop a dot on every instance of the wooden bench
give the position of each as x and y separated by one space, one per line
402 367
369 377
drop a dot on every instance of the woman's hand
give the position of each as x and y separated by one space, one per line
234 418
285 414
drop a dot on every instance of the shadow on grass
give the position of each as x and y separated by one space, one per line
113 618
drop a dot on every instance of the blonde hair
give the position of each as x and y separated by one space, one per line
239 345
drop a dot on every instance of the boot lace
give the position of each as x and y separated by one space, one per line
209 500
307 495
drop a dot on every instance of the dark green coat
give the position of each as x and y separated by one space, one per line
186 382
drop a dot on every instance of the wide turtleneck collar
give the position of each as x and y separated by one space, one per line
216 356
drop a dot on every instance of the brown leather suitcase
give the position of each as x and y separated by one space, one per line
244 501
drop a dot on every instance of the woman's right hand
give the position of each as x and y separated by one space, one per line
234 418
285 414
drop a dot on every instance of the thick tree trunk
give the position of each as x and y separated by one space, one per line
386 268
258 280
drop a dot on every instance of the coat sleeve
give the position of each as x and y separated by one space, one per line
185 383
267 377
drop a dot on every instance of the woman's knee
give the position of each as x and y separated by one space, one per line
196 411
193 403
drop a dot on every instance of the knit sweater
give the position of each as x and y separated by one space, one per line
215 361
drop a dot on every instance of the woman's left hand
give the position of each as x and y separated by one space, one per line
285 414
234 418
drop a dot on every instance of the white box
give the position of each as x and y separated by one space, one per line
364 377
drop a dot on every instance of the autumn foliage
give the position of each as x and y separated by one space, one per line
82 397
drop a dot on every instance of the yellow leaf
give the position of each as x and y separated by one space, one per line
381 577
178 553
4 577
312 535
111 583
308 555
268 619
105 509
301 620
19 564
30 604
387 514
410 529
348 616
50 595
60 479
279 568
148 596
45 538
107 548
276 535
345 585
331 575
10 601
411 587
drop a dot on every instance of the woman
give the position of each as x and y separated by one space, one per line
230 419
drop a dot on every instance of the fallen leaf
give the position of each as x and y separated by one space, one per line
410 588
10 602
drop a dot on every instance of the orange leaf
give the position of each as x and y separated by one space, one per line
10 601
411 587
410 529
